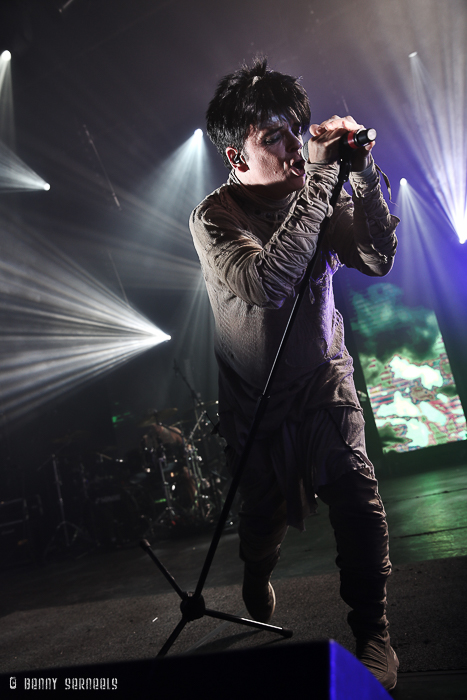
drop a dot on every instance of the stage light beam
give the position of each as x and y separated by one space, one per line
440 114
61 328
180 183
461 229
15 175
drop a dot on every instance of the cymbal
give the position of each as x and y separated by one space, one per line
187 415
206 404
167 415
71 437
101 454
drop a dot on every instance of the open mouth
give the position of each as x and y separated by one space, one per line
298 167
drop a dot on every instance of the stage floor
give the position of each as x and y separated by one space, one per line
100 606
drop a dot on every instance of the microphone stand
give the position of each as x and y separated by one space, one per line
193 393
193 606
199 405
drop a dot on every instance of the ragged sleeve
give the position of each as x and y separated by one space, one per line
362 230
261 274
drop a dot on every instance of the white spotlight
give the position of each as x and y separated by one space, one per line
413 54
15 175
198 133
6 56
461 230
403 182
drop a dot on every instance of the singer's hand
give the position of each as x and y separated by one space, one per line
323 147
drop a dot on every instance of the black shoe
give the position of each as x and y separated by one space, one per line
374 649
259 597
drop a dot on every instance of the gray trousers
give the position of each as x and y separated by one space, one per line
333 464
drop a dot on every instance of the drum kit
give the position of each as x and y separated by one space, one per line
173 483
190 482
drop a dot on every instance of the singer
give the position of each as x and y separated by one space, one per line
254 237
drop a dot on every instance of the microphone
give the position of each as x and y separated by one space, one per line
359 138
352 139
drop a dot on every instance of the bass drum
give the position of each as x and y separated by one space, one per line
184 488
166 440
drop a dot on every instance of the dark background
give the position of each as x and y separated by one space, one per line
138 75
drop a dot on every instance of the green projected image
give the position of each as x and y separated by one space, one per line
406 368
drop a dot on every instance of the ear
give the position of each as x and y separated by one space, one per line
236 159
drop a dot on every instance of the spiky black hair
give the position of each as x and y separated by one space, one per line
249 97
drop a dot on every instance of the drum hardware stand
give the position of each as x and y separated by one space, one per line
169 512
197 424
193 606
172 511
63 524
191 458
198 404
195 467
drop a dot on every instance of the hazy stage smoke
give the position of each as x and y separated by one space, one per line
60 326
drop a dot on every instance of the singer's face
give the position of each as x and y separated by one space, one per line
274 162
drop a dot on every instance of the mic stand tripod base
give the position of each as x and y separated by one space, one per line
193 608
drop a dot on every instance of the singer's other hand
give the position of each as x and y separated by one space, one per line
324 144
